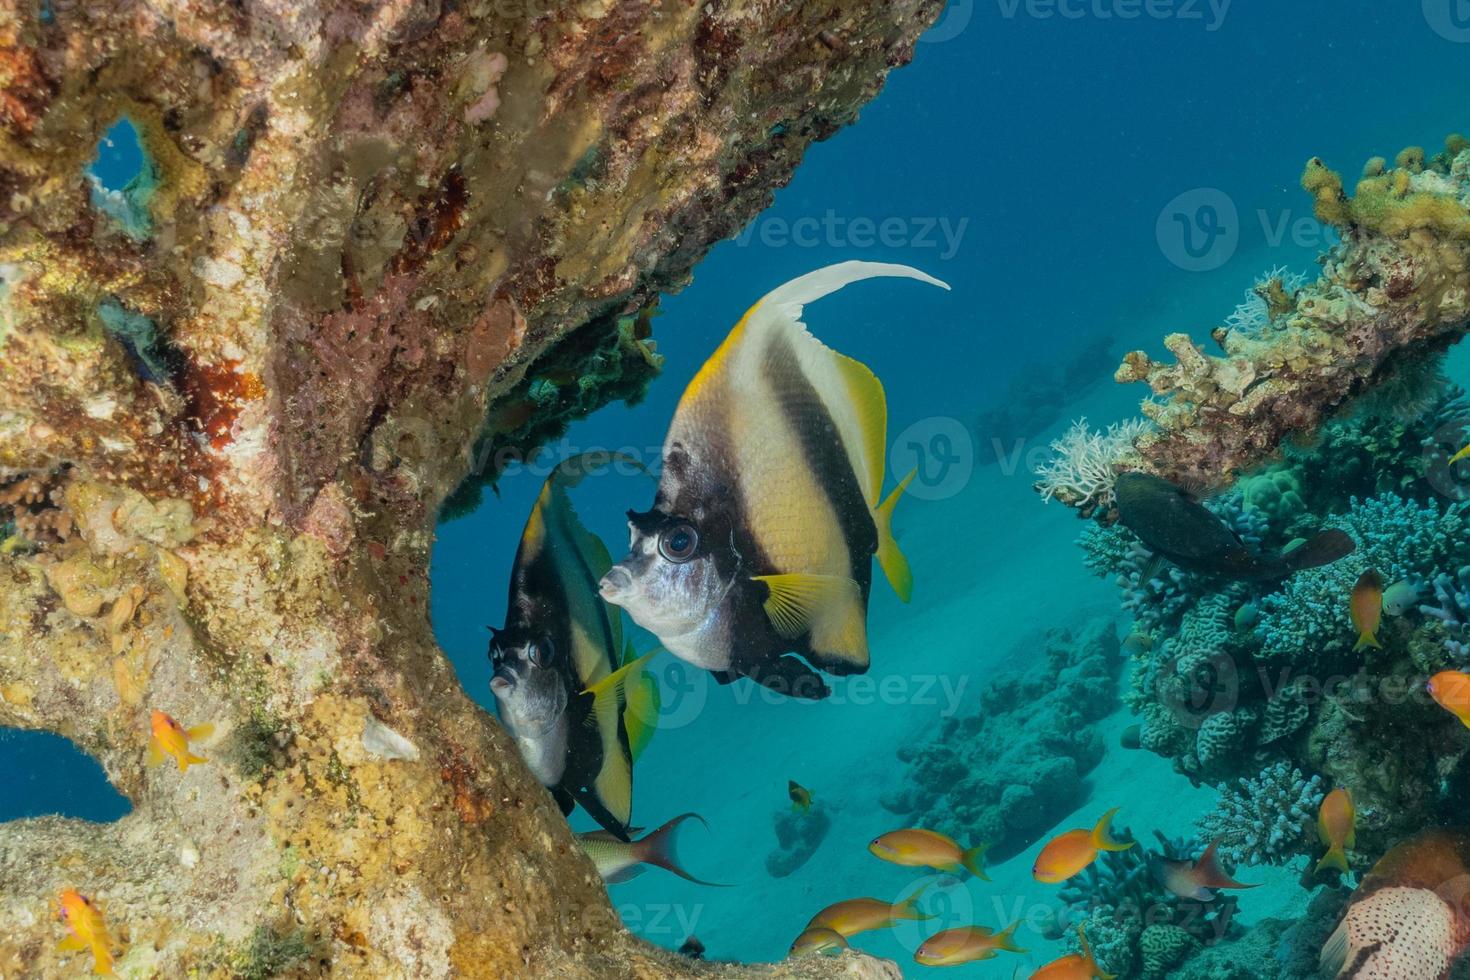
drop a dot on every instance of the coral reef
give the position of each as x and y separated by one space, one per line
1394 291
1001 775
1085 464
230 412
798 835
1137 927
1267 819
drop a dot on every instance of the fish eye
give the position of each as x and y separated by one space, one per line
678 543
541 653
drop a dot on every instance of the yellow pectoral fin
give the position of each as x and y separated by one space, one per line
70 945
155 755
895 566
200 732
195 760
798 600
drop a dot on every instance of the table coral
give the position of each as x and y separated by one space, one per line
230 412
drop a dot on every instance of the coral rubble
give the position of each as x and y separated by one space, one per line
233 396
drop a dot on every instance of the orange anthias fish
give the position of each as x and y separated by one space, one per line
1451 691
1335 826
801 797
1200 879
966 944
1074 966
918 848
1366 609
172 739
86 929
1073 851
856 915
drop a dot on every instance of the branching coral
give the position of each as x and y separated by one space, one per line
1266 820
1270 297
1085 463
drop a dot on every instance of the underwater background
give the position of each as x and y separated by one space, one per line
1037 163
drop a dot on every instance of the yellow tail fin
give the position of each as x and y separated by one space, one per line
1007 941
1102 834
1334 858
895 566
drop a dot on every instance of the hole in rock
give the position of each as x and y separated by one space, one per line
46 774
123 178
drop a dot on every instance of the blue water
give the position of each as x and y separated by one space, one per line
1026 160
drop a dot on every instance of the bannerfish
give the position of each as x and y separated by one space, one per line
1197 880
818 939
170 739
1177 528
619 861
1366 609
801 797
758 549
558 682
953 947
86 929
1451 691
645 702
1405 919
1071 852
856 915
1335 826
1074 966
919 848
1400 597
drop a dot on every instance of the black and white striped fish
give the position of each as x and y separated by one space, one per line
769 509
561 662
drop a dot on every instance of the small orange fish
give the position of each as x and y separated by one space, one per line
1074 966
801 797
1366 609
856 915
1200 879
86 929
1335 826
1070 853
818 939
172 739
919 848
1451 691
966 944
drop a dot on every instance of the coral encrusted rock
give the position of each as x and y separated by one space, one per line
235 392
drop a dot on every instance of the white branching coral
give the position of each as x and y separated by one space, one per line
1255 312
1085 463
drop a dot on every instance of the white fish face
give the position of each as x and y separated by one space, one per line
532 698
668 582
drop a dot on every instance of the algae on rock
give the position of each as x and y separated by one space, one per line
225 433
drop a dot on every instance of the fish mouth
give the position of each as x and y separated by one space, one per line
615 584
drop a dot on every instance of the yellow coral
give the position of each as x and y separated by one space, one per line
1411 158
1325 186
1375 167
